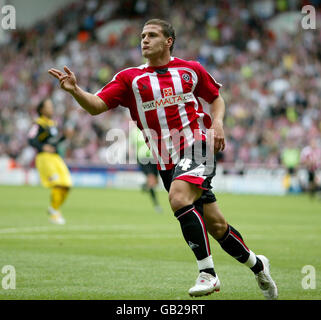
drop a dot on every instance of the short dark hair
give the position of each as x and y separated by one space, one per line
40 105
167 29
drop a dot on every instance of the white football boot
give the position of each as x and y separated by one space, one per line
205 285
265 281
55 216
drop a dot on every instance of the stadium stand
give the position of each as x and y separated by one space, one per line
271 78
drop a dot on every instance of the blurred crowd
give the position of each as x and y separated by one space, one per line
271 79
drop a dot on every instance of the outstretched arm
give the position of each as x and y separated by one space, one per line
68 82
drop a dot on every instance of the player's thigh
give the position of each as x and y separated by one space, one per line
182 193
45 164
52 170
63 172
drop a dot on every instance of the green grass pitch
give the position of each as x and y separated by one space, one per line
114 246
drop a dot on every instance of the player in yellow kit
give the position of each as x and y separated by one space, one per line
54 174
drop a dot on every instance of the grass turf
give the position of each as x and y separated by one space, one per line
114 246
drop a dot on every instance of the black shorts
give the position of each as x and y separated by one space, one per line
149 168
194 169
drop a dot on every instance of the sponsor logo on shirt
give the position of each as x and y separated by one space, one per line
168 92
168 101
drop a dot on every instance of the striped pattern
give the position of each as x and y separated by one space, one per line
166 106
239 240
207 243
202 224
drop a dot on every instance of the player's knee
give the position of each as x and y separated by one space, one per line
178 200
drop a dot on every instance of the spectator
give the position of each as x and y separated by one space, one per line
271 82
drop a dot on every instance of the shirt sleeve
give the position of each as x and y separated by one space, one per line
33 137
114 93
207 87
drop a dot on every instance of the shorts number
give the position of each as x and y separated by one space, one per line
185 164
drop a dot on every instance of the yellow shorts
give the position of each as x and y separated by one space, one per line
52 170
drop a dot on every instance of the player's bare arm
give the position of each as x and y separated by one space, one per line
68 82
217 137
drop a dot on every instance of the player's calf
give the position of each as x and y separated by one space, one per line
232 242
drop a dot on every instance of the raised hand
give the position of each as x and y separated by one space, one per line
68 81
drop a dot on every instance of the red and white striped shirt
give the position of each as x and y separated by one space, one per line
311 157
165 103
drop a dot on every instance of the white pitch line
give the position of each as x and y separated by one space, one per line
66 228
86 237
54 228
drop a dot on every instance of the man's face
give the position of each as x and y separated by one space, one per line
47 109
153 41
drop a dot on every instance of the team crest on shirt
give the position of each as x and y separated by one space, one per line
168 92
186 77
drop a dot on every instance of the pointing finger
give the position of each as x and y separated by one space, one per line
68 71
54 73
